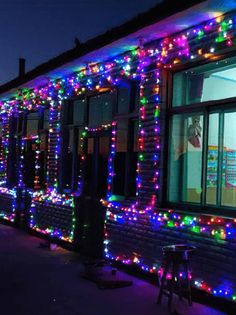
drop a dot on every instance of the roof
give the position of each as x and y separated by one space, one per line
162 11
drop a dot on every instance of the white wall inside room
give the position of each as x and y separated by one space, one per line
219 85
230 130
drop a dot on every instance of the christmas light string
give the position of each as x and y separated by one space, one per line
217 35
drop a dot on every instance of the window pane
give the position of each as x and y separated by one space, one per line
78 157
123 100
102 174
88 171
42 173
68 159
29 163
229 161
120 158
79 111
133 160
212 81
32 124
185 165
19 124
100 109
46 119
212 159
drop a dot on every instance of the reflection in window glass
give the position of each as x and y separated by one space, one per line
213 81
32 124
46 119
123 100
228 183
29 162
104 149
120 158
185 164
42 172
133 159
212 159
19 124
90 145
100 109
79 112
88 171
68 159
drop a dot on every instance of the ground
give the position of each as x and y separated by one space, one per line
38 281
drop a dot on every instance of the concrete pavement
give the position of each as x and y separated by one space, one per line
36 281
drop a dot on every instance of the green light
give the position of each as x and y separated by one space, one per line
200 34
116 198
170 224
143 100
141 157
156 114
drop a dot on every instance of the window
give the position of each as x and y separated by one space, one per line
12 158
120 158
126 157
29 163
127 98
123 100
46 119
202 144
35 124
32 124
79 109
186 158
73 126
213 81
100 109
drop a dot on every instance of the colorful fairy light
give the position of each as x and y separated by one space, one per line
204 41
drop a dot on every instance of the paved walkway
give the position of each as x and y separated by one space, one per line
36 281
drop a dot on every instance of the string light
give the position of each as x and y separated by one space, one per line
203 41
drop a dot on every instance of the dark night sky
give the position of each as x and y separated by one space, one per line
41 29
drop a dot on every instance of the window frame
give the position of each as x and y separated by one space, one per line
131 116
40 131
205 108
67 126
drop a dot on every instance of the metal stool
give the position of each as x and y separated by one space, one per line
176 261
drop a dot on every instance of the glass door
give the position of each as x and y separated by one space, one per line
95 175
96 164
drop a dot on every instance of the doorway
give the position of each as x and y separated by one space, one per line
92 214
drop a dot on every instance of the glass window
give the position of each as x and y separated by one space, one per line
126 158
100 109
185 164
46 119
133 160
228 182
29 163
32 124
123 100
43 148
79 107
72 157
212 159
19 123
120 158
186 153
213 81
67 167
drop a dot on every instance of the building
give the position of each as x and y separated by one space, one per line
134 128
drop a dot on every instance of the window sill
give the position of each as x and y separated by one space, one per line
193 209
